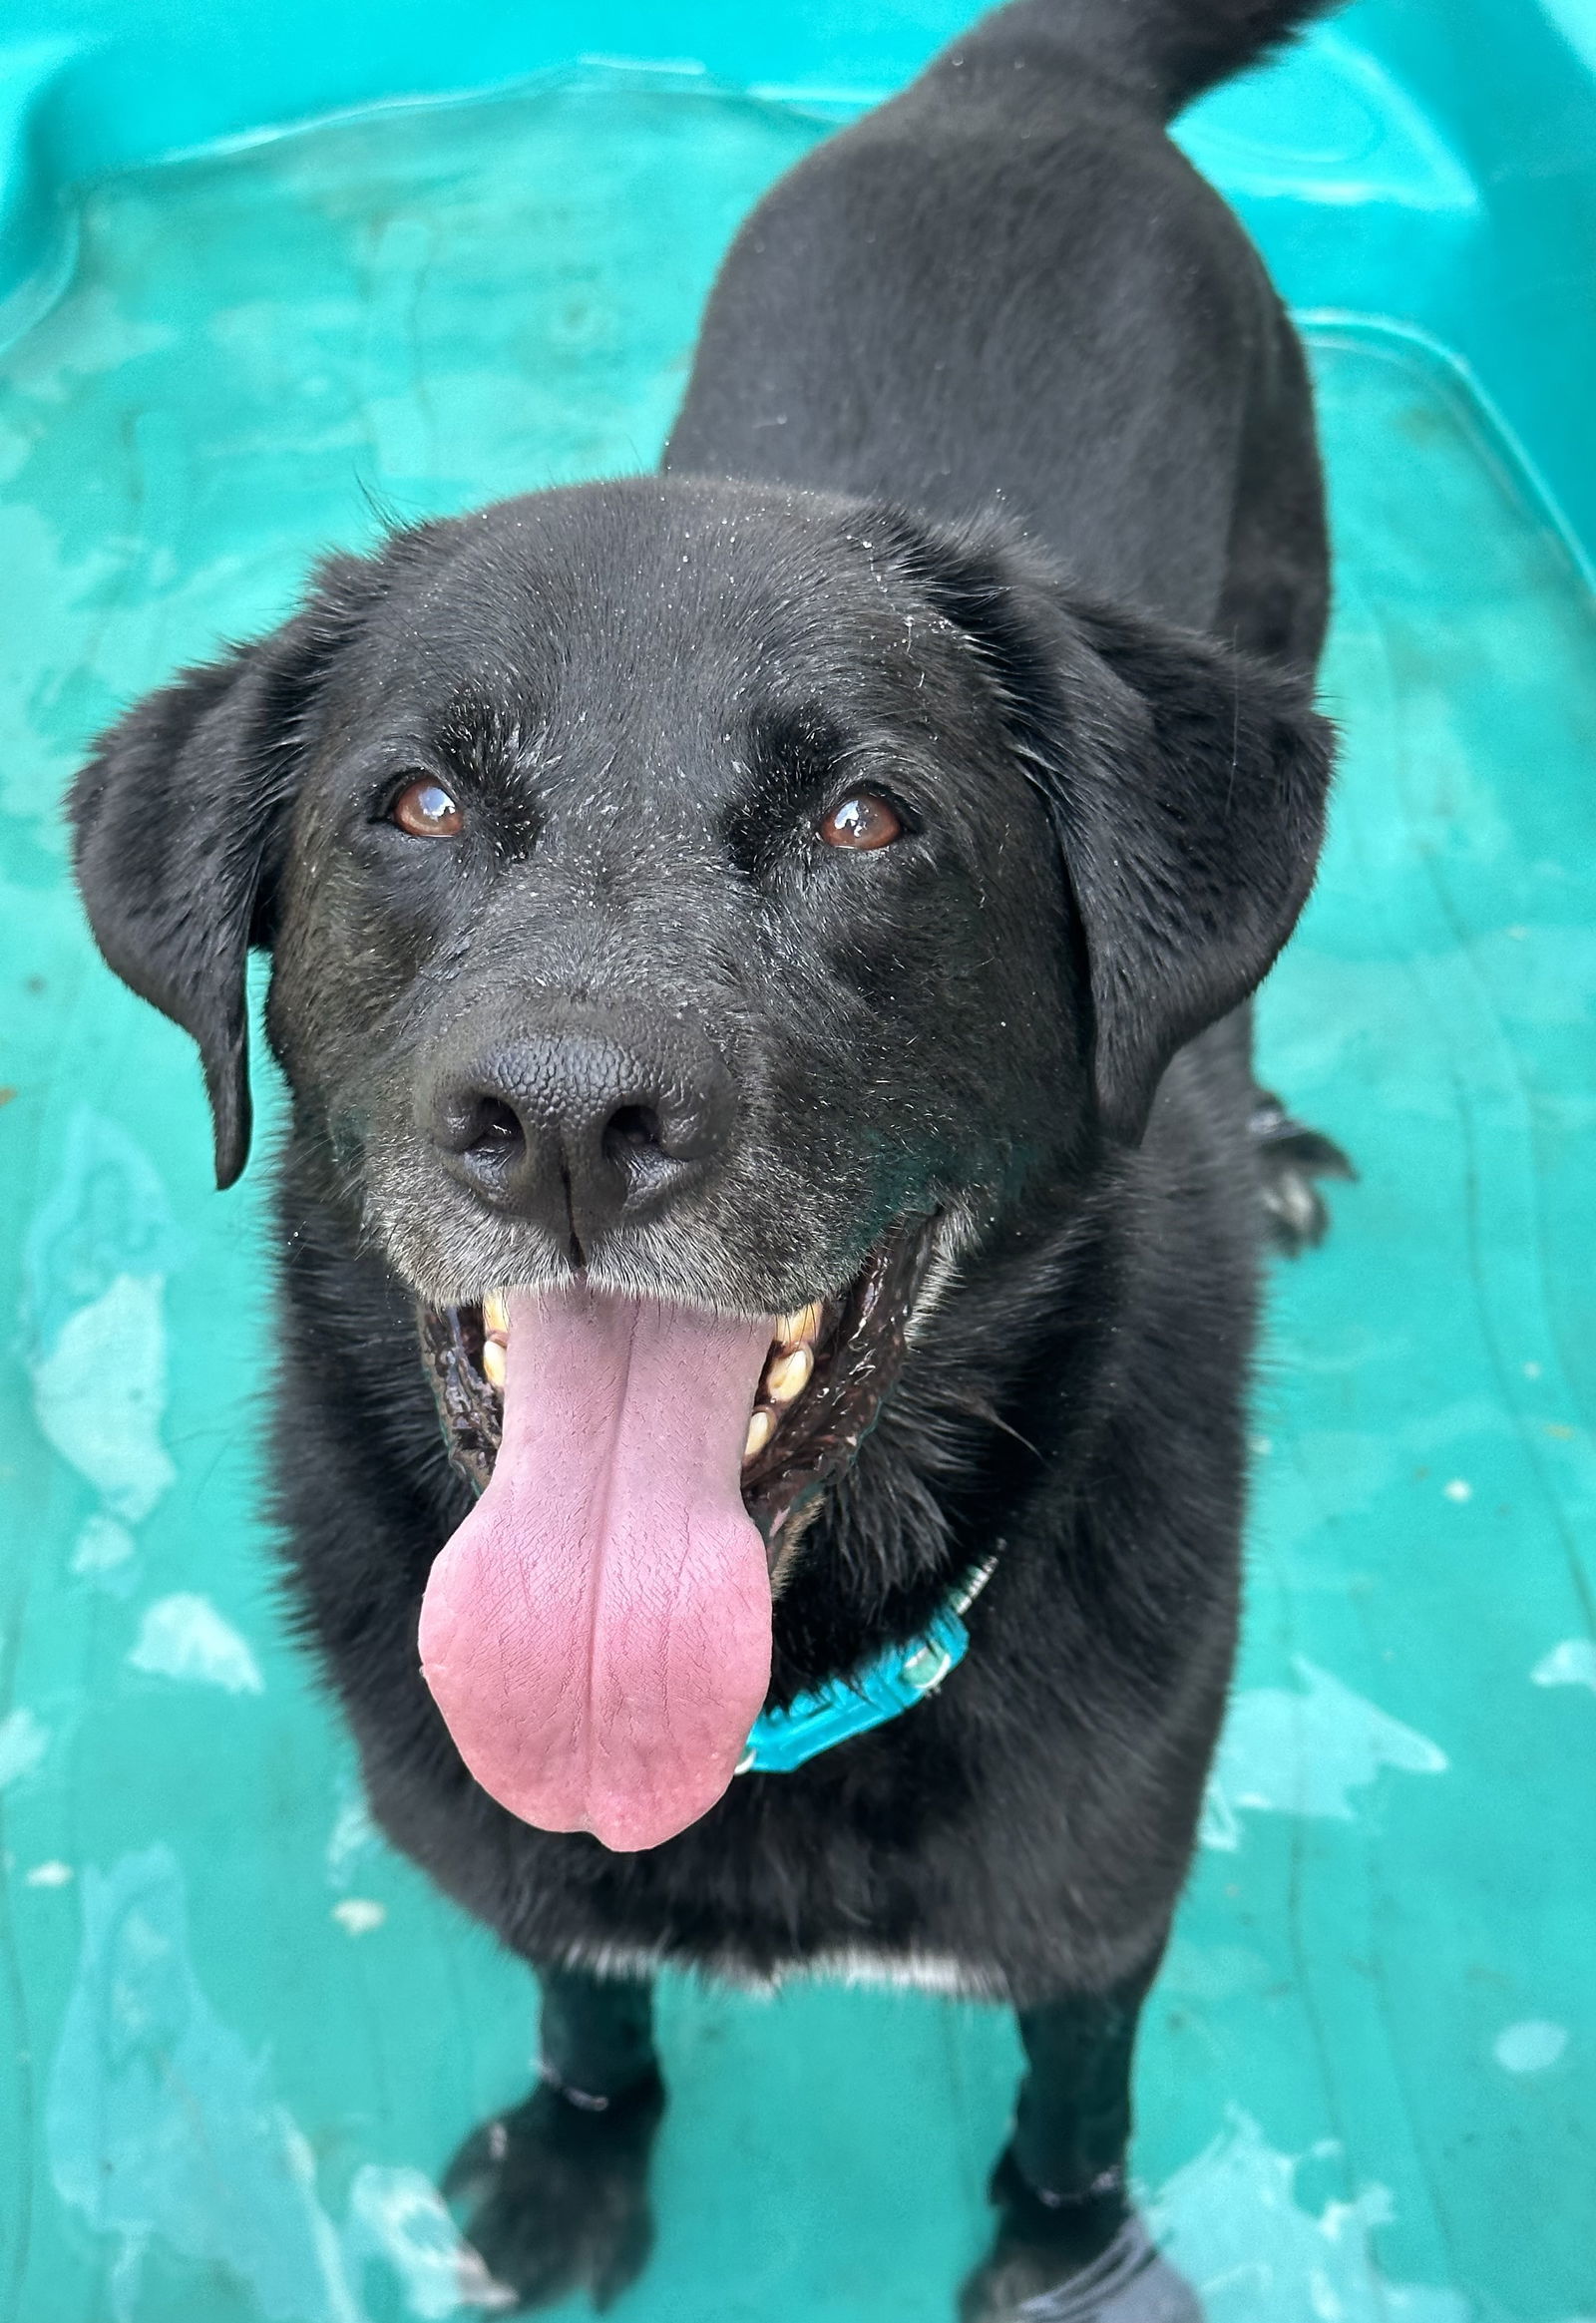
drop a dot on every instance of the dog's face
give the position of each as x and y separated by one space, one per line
693 899
660 898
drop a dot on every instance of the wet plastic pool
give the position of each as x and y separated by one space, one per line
237 2034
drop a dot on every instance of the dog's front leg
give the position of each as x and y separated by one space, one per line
598 2039
1069 2247
557 2190
1072 2121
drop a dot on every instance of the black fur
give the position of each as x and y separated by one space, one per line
1007 289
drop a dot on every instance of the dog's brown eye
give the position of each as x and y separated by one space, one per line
427 811
865 821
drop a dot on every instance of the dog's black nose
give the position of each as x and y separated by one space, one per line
577 1130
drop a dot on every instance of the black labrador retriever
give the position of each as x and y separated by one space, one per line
775 1182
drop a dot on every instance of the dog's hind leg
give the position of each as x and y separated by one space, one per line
1284 1156
1291 1158
556 2192
1070 2248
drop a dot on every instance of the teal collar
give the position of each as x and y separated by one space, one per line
889 1684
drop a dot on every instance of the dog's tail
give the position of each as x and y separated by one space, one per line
1172 50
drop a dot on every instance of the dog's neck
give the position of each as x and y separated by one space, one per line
945 1475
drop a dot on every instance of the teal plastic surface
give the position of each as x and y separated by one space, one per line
238 2036
1460 133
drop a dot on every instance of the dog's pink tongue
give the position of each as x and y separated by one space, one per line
598 1632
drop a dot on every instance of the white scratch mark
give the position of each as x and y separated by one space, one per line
23 1743
162 2125
352 1834
398 2215
102 1546
1304 1754
359 1914
184 1637
1231 2222
1573 1663
164 2129
1529 2046
101 1390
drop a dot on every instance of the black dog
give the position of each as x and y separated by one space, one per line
761 965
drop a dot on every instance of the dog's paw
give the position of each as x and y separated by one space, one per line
556 2196
1291 1158
1085 2261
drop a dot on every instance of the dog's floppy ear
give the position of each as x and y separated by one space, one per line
176 822
1186 783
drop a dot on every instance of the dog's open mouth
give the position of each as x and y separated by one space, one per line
598 1632
830 1365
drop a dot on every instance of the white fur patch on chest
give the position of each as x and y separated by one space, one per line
852 1964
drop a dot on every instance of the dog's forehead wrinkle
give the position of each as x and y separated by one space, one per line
765 576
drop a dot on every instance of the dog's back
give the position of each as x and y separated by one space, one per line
1010 288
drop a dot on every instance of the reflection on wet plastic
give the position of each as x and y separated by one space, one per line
1128 2283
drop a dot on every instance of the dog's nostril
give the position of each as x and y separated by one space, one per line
496 1129
632 1129
473 1124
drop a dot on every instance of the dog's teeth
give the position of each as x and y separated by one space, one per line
493 1362
496 1314
797 1329
761 1427
790 1375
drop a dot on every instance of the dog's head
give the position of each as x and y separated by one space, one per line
697 914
